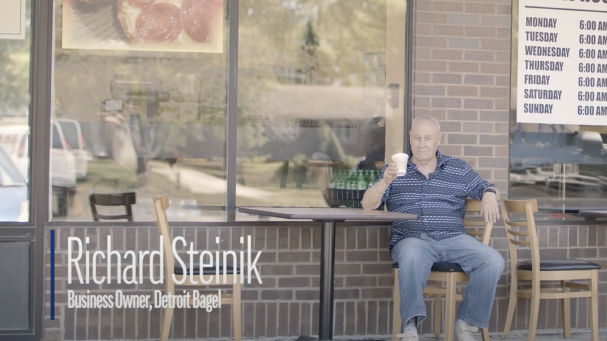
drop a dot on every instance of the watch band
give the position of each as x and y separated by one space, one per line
490 190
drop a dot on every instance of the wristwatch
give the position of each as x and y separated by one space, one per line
490 190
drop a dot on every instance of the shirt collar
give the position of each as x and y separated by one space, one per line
441 159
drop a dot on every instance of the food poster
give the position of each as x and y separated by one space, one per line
148 25
12 19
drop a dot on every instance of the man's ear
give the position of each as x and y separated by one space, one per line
440 138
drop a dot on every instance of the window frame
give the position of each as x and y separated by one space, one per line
568 207
231 132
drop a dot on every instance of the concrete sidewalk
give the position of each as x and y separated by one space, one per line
542 335
517 335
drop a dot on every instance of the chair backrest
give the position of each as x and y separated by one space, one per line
521 233
161 204
112 199
478 228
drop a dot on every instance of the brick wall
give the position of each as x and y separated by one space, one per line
462 77
286 303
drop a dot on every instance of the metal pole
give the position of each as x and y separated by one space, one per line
327 263
232 114
409 41
40 87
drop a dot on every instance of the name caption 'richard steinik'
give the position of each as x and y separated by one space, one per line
128 266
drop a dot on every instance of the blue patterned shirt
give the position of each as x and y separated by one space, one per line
439 201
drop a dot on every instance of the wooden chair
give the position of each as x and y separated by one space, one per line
112 199
161 204
523 234
446 277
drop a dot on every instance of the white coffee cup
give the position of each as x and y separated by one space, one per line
400 160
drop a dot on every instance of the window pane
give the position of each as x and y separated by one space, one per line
559 164
14 111
15 278
132 115
563 166
312 104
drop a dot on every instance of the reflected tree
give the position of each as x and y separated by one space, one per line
14 83
333 35
309 47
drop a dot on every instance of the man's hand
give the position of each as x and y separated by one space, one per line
390 173
373 195
489 209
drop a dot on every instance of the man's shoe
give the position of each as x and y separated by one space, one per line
463 331
409 333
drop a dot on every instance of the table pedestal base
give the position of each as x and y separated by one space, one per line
327 256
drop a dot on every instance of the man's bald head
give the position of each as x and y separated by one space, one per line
432 120
424 138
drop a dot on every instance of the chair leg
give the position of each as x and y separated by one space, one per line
236 311
594 305
167 318
566 312
535 307
449 307
437 316
396 322
511 304
485 332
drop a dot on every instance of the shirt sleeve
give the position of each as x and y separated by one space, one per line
475 184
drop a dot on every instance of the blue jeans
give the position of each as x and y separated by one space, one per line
415 257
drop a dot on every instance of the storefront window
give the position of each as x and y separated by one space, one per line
15 45
143 108
564 166
559 164
314 98
139 109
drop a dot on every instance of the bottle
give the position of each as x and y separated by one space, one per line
338 179
334 179
369 178
361 181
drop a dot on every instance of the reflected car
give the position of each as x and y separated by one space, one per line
603 181
575 183
590 142
14 203
63 163
73 134
14 139
530 175
63 171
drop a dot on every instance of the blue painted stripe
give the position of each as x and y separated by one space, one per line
52 274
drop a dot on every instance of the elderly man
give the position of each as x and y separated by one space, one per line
435 187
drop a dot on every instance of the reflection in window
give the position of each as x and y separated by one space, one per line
14 124
563 166
13 191
311 98
150 122
559 164
311 107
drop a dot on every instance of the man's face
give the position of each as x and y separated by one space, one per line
424 139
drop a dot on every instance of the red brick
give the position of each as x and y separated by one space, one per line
481 8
